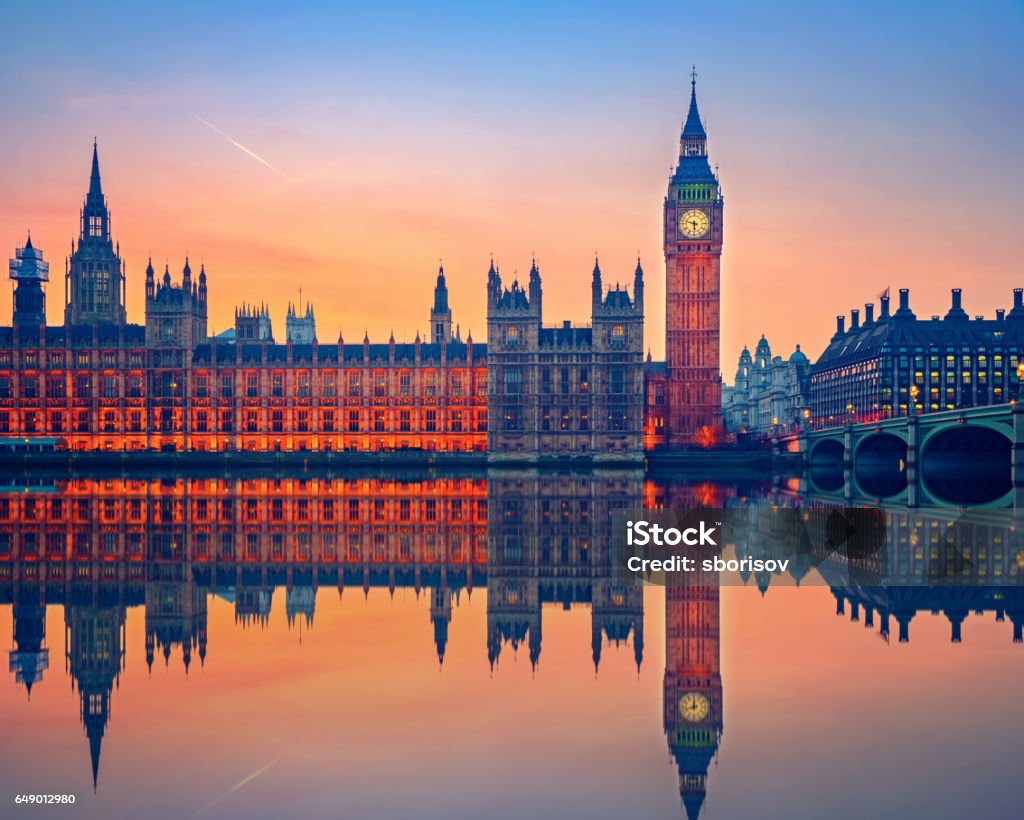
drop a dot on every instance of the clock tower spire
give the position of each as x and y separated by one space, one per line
693 251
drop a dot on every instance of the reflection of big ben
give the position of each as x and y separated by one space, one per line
693 684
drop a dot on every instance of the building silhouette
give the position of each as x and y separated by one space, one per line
29 657
29 272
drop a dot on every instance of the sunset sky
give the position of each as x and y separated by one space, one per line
859 148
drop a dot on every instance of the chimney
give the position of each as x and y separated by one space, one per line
1018 297
854 319
885 307
1000 314
840 324
869 313
904 298
956 299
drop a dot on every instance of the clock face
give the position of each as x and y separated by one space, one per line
693 706
694 223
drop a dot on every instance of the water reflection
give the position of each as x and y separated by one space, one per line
537 541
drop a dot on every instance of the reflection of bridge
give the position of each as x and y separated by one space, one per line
960 457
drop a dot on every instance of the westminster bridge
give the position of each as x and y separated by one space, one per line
954 458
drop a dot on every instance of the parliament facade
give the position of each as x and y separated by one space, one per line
101 383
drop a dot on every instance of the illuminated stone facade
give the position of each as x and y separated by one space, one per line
100 383
565 390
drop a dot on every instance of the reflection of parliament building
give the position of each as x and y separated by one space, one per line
100 383
101 546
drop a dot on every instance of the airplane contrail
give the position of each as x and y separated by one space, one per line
239 146
244 781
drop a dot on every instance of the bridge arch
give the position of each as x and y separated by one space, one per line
826 459
966 463
880 465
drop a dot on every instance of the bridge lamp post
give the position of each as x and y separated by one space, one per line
915 391
1020 378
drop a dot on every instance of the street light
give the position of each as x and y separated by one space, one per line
1020 377
914 392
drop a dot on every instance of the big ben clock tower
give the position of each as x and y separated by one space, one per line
693 251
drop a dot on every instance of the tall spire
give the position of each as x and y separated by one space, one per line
693 126
95 189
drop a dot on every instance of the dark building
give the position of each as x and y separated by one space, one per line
565 390
29 273
896 364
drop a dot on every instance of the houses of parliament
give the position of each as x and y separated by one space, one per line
101 383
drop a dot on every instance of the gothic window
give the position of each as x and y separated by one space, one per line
329 385
405 383
513 380
303 384
353 421
512 337
512 421
353 385
95 226
618 336
430 421
277 385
